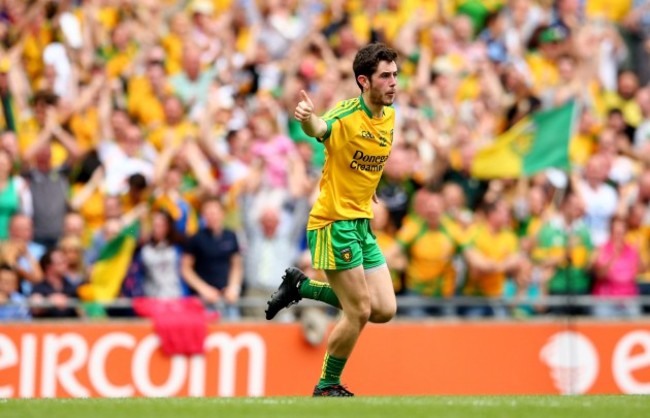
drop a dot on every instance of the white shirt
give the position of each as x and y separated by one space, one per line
600 206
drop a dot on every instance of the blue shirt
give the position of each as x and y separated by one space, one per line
212 255
15 309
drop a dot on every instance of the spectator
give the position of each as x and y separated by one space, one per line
88 197
192 84
620 167
273 234
601 199
137 194
161 258
272 150
14 194
110 229
459 172
129 155
73 251
26 252
45 131
175 128
492 254
75 225
13 305
564 252
623 98
49 188
55 290
168 197
430 249
637 236
385 236
146 92
212 264
397 185
616 267
10 116
232 157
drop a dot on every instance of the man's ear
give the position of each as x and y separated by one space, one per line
364 81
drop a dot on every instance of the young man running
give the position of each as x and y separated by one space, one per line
358 135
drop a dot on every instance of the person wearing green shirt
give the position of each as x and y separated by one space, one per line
565 250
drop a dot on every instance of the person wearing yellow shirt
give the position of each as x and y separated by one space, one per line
176 128
607 10
542 62
137 193
584 143
358 137
458 218
624 98
386 240
44 128
492 255
120 53
87 197
564 252
173 42
169 198
38 35
525 101
429 249
146 94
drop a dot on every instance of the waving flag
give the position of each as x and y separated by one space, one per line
537 142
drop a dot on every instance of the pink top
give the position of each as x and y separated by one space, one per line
274 153
620 277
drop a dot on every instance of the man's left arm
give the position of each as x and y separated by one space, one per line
235 279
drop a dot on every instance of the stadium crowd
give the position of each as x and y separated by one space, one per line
176 117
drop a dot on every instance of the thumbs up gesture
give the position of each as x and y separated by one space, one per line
305 107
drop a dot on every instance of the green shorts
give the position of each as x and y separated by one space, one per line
343 245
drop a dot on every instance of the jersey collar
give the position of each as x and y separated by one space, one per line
365 107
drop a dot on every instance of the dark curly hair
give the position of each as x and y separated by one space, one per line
368 58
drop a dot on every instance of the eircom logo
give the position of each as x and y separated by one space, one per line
120 364
572 360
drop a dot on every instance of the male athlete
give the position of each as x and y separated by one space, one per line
358 135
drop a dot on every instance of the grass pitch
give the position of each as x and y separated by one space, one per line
359 407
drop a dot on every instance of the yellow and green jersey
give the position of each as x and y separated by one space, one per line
430 270
357 146
495 246
556 240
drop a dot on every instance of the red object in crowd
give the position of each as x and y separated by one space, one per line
181 324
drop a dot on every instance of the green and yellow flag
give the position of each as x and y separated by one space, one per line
537 142
109 271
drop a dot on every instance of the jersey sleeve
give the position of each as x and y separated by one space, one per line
333 116
408 233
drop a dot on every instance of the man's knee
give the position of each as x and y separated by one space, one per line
359 313
383 314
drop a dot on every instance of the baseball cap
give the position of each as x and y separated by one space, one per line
554 33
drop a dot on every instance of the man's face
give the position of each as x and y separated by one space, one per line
59 264
434 209
8 282
21 228
213 215
383 84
